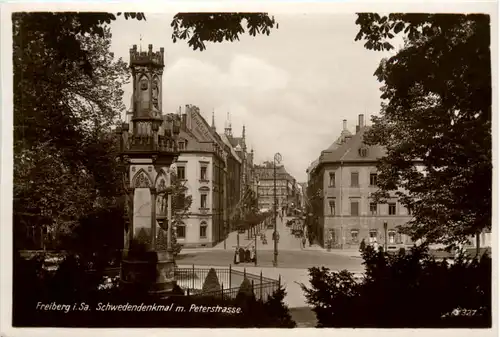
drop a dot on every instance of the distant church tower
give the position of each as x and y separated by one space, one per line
214 129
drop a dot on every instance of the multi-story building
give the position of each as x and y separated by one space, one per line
202 167
233 179
340 185
241 177
285 186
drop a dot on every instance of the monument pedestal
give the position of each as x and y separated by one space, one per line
150 271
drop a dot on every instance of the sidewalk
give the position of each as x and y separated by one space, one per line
352 252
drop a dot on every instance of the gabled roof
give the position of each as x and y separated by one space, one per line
350 150
313 165
267 173
226 140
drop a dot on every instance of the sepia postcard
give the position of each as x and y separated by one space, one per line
249 165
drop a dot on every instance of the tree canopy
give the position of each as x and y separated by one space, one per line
67 94
437 114
199 28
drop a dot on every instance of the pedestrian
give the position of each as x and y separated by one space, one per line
241 255
362 246
248 254
254 255
236 256
304 242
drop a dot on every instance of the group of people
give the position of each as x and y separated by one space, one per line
242 255
263 238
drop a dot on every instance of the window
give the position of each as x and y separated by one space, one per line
181 231
332 206
373 208
354 179
354 208
203 173
203 201
373 179
373 235
392 236
392 209
354 235
181 173
182 146
332 179
363 152
203 230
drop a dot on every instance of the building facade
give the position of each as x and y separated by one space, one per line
233 179
285 187
241 176
202 168
340 185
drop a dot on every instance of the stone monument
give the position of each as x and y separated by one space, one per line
148 147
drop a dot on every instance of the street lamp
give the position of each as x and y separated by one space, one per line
277 160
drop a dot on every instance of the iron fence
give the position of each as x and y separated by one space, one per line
191 280
261 291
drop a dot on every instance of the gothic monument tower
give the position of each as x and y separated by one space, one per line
148 147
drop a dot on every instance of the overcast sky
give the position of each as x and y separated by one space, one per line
291 89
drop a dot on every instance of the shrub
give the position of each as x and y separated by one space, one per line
407 289
211 283
280 317
245 293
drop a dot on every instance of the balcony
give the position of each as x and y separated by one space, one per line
147 143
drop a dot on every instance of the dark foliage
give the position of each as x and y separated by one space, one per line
199 28
245 293
281 317
408 289
72 286
438 116
211 283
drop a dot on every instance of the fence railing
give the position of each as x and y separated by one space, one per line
191 280
261 291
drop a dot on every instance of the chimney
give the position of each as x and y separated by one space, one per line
345 125
187 113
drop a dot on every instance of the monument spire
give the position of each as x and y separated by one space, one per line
227 129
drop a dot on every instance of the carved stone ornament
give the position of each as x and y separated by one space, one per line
144 84
155 93
162 186
142 181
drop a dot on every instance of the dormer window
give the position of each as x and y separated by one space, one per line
363 152
182 145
